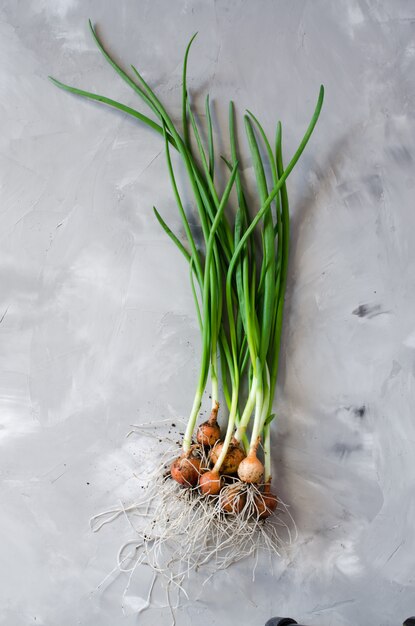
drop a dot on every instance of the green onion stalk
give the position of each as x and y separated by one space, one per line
238 275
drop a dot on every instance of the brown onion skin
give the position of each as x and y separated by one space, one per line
232 500
186 470
209 433
266 502
210 483
233 457
251 470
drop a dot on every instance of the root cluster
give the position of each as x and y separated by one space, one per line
179 530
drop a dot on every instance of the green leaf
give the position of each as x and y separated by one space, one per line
269 419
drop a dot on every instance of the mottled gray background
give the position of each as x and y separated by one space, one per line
97 323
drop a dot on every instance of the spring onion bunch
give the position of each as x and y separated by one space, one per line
238 278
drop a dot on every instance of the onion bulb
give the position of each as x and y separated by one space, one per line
251 470
210 483
232 459
232 499
186 470
266 502
208 433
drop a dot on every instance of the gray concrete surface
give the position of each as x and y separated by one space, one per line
97 323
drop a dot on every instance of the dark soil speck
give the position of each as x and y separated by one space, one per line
360 411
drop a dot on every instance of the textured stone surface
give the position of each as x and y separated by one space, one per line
97 324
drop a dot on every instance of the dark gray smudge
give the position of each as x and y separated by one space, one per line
345 449
360 411
401 154
367 310
374 185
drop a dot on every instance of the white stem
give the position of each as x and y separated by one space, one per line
265 410
214 376
187 441
229 431
267 453
246 415
256 430
215 390
261 412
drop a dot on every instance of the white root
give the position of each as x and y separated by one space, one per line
179 531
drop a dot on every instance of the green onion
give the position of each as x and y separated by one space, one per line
238 276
